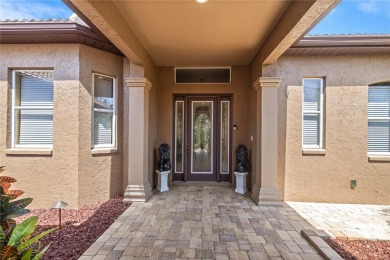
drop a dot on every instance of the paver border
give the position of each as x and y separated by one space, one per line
317 239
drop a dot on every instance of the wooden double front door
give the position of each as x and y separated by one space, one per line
202 138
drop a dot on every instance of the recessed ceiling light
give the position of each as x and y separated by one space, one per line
201 1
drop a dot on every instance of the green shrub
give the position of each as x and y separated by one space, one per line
20 244
16 241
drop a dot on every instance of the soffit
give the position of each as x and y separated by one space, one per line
217 33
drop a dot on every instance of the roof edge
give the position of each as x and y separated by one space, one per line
357 40
53 32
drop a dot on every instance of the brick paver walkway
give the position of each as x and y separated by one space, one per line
203 222
348 221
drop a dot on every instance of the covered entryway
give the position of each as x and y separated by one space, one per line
156 36
202 134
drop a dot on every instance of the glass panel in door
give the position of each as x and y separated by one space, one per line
201 141
202 137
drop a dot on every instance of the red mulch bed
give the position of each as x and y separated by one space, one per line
361 249
80 228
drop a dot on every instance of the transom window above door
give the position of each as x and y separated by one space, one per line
203 75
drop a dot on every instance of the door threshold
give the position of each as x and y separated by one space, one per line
202 183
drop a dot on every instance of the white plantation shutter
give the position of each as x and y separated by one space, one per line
311 133
103 128
104 112
33 108
36 91
312 113
378 119
36 127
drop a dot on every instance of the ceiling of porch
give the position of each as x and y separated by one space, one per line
216 33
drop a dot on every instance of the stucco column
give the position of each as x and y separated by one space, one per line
265 190
138 187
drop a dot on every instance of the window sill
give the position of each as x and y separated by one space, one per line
379 158
313 151
28 151
104 150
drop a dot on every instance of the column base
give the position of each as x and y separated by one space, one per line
255 193
138 193
268 197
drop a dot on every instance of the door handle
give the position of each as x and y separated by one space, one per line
188 150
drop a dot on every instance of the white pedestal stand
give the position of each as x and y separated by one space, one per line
241 182
162 181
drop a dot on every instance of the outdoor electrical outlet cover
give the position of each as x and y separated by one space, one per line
353 184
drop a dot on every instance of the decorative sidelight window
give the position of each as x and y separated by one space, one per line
312 114
225 136
32 108
104 111
379 118
179 136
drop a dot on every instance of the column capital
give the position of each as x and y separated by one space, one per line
267 82
138 82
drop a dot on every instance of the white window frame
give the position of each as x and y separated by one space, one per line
114 113
314 112
375 119
14 108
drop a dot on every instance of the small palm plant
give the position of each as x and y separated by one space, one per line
20 244
16 241
9 208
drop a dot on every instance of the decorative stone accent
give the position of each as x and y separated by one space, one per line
267 82
269 197
162 184
138 193
241 182
138 82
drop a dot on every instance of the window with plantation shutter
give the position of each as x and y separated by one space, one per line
312 114
104 112
379 119
32 107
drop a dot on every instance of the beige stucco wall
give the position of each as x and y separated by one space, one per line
100 175
151 73
327 178
239 88
71 173
254 119
46 179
